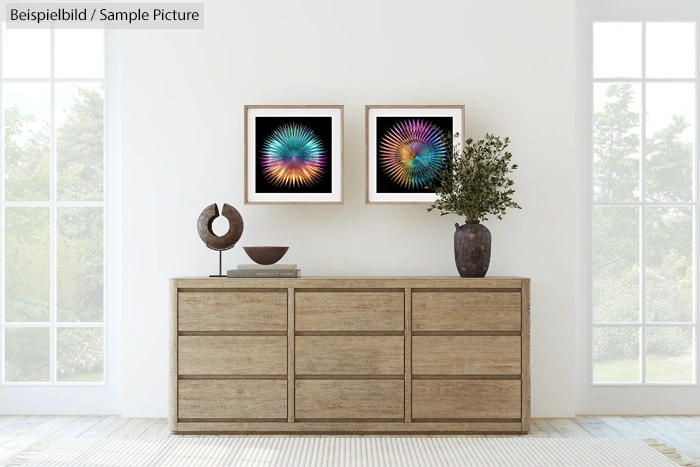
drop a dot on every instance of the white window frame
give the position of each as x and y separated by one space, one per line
76 397
642 204
642 397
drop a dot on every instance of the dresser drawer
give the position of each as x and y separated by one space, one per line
349 399
232 355
466 311
209 399
232 311
454 399
349 355
349 311
466 355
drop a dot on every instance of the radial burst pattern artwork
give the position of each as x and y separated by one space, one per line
412 153
293 156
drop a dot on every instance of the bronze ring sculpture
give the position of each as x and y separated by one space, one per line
226 241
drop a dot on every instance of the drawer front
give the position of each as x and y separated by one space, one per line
466 311
197 399
466 355
474 399
232 355
349 311
349 355
349 399
232 311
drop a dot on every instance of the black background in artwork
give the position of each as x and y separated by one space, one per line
322 126
384 124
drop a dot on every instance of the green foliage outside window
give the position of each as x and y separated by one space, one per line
79 240
669 274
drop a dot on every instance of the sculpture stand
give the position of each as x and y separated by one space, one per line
221 274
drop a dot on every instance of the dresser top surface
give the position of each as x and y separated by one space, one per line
353 282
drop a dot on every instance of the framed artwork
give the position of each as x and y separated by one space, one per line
293 154
406 149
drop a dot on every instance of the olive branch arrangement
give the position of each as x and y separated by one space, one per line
474 181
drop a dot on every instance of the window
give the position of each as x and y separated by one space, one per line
52 311
644 203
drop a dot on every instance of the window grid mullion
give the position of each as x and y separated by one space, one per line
105 226
591 245
2 223
62 325
77 204
642 80
636 324
696 180
643 211
661 204
53 215
53 80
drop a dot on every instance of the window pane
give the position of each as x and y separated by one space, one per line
79 142
670 50
615 264
79 53
615 355
27 354
617 50
27 264
26 53
616 142
79 268
27 148
670 140
669 264
80 355
669 353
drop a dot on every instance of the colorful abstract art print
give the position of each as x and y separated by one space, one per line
407 147
293 154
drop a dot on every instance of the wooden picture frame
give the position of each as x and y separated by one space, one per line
388 179
293 154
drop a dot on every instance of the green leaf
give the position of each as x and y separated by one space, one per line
474 182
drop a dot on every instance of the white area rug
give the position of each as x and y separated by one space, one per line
365 451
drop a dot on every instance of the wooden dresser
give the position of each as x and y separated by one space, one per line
350 355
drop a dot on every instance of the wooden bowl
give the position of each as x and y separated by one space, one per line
265 254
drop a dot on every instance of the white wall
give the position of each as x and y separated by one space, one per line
510 63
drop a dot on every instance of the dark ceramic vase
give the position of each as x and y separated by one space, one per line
472 249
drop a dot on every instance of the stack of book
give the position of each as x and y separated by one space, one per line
261 270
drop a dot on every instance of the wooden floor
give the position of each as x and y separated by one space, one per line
18 433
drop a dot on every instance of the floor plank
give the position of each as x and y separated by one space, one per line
6 420
691 423
625 427
160 429
21 426
693 435
79 426
569 428
106 427
134 428
672 423
597 428
32 436
544 429
663 433
676 424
